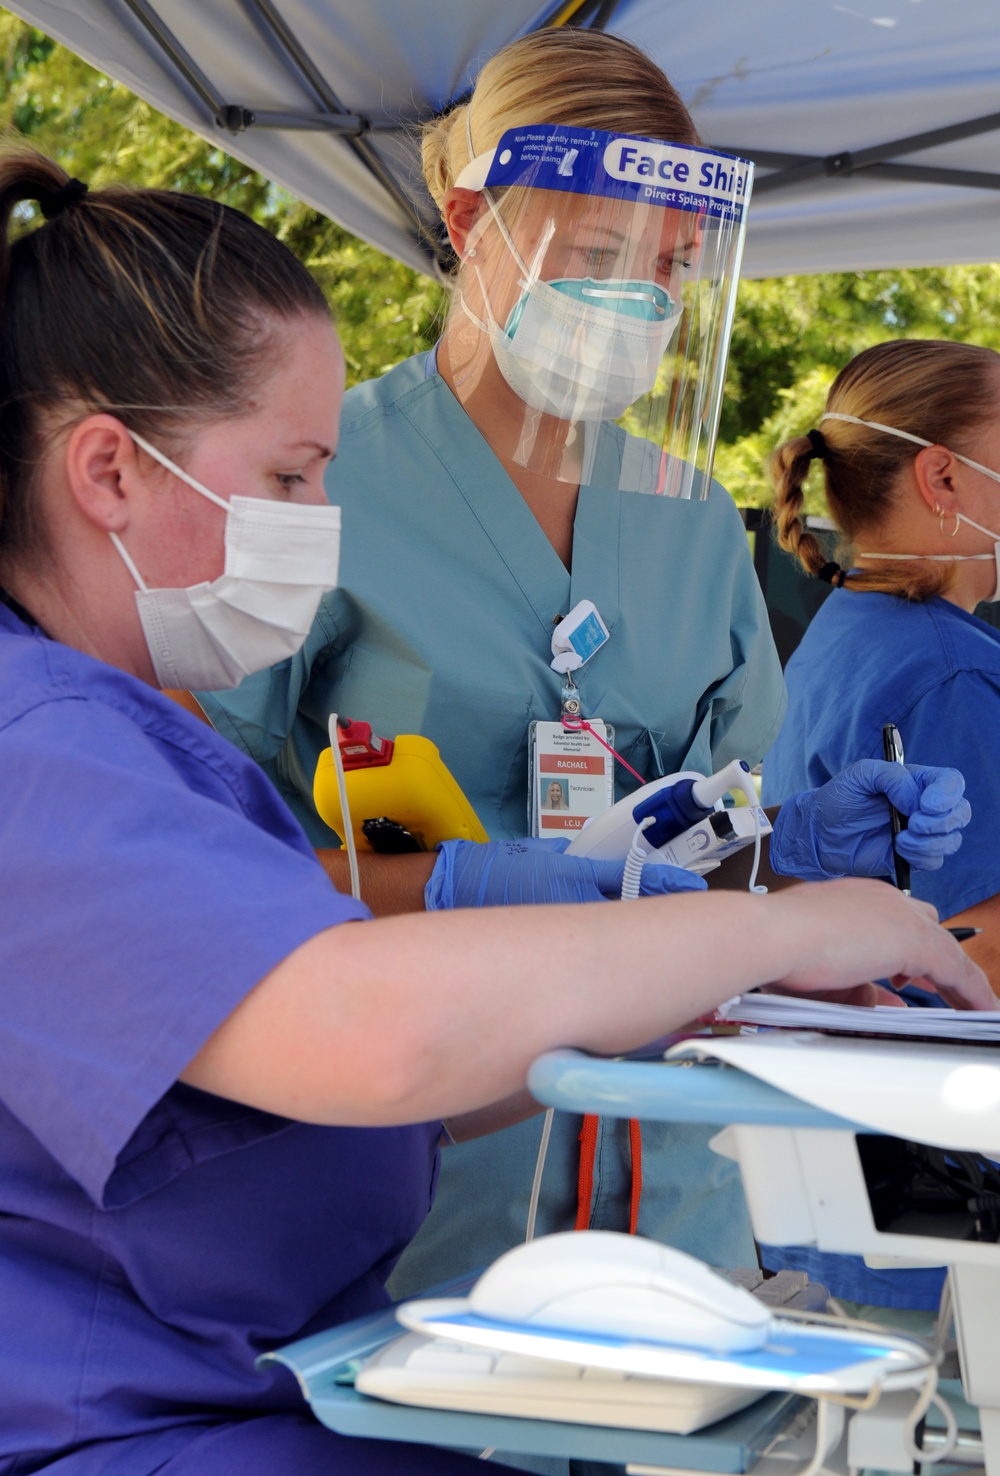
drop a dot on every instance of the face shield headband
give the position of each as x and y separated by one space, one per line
890 430
609 314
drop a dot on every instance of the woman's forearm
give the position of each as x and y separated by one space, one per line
411 1018
390 885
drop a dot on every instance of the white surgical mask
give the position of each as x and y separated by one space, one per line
579 348
281 558
890 430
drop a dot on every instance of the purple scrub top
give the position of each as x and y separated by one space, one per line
153 1238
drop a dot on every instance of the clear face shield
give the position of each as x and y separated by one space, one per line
595 305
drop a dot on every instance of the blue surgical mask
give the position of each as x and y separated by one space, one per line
646 301
581 348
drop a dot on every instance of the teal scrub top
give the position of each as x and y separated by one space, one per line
442 625
448 593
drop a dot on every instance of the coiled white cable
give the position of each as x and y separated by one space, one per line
345 809
638 854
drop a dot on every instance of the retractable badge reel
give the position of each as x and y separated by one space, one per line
572 767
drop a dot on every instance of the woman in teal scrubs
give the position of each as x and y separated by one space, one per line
457 562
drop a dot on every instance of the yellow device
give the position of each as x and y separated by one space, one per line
415 790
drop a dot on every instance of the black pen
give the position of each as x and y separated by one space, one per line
892 751
962 935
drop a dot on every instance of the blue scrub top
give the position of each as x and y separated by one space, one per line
449 590
153 1238
933 670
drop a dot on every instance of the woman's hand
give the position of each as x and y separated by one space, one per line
515 872
881 933
842 828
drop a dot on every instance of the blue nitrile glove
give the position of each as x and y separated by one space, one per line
512 872
843 828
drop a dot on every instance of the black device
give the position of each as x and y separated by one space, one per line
916 1189
389 838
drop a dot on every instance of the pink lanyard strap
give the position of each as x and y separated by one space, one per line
580 725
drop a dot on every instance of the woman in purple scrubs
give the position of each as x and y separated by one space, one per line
219 1108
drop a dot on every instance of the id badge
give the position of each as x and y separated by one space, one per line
572 777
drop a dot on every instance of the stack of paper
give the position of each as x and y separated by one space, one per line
798 1012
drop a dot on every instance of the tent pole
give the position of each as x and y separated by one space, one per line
877 160
332 117
294 54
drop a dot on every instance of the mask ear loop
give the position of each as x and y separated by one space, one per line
129 562
891 430
178 471
529 275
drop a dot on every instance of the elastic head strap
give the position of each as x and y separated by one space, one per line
890 430
473 176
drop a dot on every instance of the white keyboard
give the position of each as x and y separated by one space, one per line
414 1369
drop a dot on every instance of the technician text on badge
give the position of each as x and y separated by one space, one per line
572 778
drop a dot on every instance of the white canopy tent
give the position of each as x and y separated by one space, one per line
875 125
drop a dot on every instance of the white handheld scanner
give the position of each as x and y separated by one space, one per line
688 824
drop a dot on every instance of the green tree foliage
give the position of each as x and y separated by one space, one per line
99 131
791 334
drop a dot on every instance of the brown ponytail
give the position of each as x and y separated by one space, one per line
155 306
935 389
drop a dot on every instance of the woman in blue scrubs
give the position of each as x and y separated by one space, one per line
909 450
219 1107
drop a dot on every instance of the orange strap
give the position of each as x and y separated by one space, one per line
635 1150
585 1177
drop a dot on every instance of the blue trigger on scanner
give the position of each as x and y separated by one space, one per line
676 810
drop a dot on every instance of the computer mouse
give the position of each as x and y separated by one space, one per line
598 1281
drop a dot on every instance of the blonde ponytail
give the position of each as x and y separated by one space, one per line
444 151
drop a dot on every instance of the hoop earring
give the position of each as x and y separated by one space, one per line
941 517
